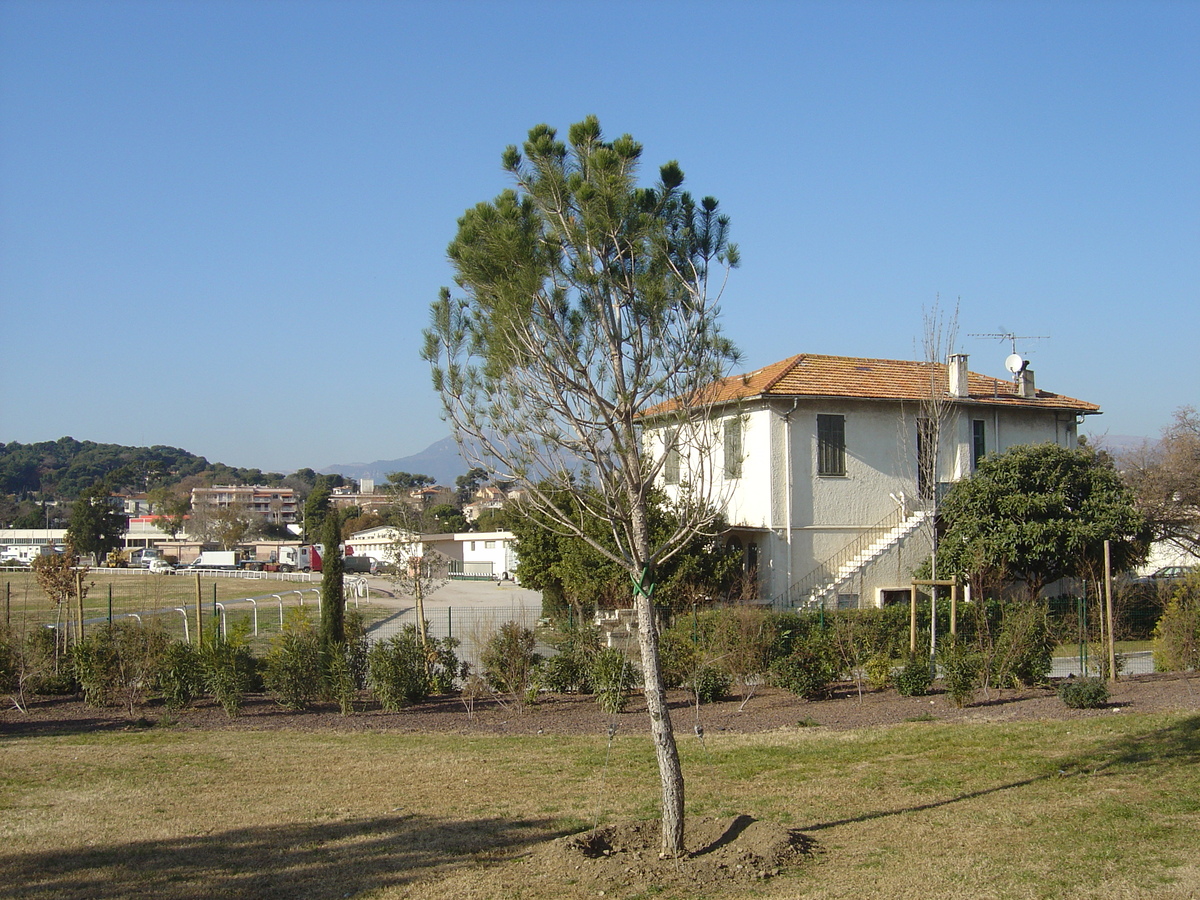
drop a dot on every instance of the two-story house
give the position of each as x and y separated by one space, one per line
832 465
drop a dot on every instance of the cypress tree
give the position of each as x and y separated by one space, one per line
333 603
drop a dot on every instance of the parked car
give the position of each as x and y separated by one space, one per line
161 567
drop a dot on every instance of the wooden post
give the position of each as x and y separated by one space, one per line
912 620
954 610
199 613
1108 611
79 605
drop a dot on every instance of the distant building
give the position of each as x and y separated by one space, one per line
276 505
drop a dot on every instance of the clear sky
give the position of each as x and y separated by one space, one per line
222 223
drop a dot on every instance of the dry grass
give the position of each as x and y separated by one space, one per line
154 599
1095 808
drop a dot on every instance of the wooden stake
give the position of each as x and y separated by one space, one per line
1108 611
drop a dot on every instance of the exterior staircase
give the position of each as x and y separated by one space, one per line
819 587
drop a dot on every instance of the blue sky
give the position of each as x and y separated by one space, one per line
222 223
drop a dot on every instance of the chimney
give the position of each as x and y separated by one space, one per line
1025 383
957 367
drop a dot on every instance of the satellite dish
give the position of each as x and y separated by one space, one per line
1014 363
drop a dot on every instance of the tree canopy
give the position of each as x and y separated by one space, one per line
570 573
1165 479
1037 513
97 525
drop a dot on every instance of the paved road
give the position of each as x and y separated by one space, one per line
468 610
1139 662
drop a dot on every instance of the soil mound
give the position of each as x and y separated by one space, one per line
720 851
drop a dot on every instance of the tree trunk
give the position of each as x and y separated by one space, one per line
670 772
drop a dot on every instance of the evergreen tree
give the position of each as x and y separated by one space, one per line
97 525
333 599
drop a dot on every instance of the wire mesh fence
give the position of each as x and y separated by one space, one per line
472 626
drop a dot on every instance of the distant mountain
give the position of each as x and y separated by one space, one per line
440 461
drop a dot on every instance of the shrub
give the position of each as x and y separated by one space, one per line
1084 693
229 673
292 668
570 671
879 670
1177 636
181 675
339 678
11 662
1023 654
445 668
710 684
49 669
809 670
613 676
510 663
678 656
118 664
915 678
961 668
396 671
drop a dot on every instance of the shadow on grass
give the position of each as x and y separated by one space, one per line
314 861
1177 744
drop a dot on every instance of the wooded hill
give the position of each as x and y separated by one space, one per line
59 470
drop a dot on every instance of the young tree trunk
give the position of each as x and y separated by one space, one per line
670 772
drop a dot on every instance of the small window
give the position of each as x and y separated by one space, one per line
831 445
489 545
978 443
671 462
733 447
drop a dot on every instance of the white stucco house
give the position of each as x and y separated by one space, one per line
472 554
831 465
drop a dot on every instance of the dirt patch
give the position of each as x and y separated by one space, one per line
720 851
769 709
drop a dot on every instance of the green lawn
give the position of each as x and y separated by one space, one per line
1098 807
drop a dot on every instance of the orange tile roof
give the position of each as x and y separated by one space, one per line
852 377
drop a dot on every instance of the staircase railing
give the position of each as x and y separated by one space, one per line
826 573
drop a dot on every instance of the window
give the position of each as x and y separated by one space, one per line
671 462
831 445
733 447
978 444
927 449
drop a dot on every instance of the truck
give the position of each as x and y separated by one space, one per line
305 558
216 559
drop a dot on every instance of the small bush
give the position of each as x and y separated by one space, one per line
570 670
181 675
879 671
229 673
710 684
678 656
1084 693
510 663
613 677
292 668
396 671
915 679
1024 650
118 665
339 676
961 668
49 670
1177 636
809 670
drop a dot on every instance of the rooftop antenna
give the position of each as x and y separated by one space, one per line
1014 363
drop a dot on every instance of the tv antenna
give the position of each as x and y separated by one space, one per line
1014 363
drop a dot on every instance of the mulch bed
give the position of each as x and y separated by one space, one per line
767 709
